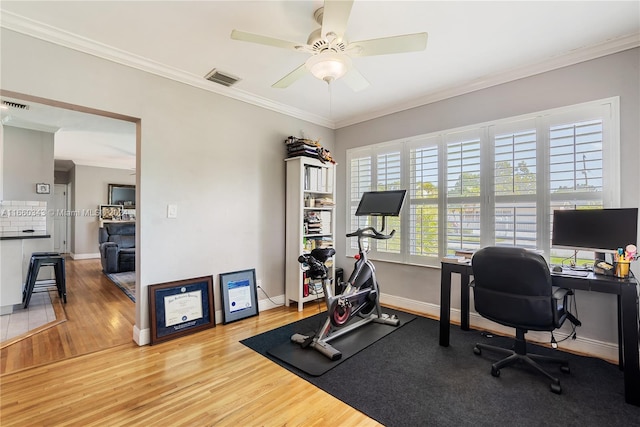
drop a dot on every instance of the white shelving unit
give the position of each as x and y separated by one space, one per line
310 220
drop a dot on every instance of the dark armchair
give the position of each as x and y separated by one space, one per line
117 247
512 286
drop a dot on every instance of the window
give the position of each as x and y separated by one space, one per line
463 191
423 195
495 183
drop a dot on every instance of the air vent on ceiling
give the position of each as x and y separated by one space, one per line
219 77
15 105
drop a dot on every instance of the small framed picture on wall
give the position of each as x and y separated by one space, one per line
42 188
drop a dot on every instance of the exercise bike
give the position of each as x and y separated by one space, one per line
361 294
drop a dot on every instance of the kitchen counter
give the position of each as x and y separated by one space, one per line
13 235
16 248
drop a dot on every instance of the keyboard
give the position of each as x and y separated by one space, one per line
576 273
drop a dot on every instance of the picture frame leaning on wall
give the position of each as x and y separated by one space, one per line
180 308
239 295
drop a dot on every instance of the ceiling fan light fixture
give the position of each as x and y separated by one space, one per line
328 66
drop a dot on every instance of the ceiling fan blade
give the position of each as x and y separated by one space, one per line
355 80
291 77
388 45
268 41
335 16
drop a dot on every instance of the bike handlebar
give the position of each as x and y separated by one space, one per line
371 232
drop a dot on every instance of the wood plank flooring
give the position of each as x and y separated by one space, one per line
99 315
89 372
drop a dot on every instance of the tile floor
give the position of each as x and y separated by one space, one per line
40 312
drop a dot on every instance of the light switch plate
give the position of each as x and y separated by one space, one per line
172 211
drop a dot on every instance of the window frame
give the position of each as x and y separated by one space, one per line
606 109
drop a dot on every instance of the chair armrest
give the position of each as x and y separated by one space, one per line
561 293
110 247
109 254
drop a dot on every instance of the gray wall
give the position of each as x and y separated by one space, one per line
27 159
219 160
90 189
613 75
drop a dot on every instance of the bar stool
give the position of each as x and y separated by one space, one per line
45 259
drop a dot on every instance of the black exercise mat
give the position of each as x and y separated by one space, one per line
407 379
312 362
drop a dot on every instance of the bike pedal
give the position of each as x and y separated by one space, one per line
307 342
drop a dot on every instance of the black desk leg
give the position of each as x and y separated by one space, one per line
464 301
445 305
630 346
620 344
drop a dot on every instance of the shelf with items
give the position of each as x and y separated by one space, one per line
310 221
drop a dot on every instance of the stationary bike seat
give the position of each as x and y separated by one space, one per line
323 254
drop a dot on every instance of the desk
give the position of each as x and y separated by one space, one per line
625 289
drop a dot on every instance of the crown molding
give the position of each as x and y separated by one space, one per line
54 35
575 56
60 37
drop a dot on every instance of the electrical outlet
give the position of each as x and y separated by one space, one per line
258 283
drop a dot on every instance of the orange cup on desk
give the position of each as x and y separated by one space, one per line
622 269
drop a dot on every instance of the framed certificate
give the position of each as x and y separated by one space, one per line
239 295
180 308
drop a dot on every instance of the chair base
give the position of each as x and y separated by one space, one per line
520 354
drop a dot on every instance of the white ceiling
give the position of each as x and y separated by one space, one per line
471 45
80 138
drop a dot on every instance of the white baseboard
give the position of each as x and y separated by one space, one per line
84 256
582 345
266 304
141 336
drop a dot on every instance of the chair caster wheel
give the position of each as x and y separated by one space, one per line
565 369
556 388
477 350
495 372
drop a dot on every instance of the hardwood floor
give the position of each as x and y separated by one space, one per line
98 316
88 371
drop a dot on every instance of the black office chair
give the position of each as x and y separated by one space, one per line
512 286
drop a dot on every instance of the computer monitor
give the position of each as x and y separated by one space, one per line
598 230
381 203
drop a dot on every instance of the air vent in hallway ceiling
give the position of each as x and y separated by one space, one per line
15 105
219 77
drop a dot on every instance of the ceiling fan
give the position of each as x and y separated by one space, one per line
331 52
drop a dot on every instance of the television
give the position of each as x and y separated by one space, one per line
381 203
597 230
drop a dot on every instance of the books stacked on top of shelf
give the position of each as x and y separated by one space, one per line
307 147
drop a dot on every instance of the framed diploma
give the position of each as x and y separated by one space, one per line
180 308
239 295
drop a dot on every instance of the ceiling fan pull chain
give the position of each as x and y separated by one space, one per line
330 100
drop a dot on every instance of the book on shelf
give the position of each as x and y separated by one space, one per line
315 288
317 179
324 202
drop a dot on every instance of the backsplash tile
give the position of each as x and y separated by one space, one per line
19 215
